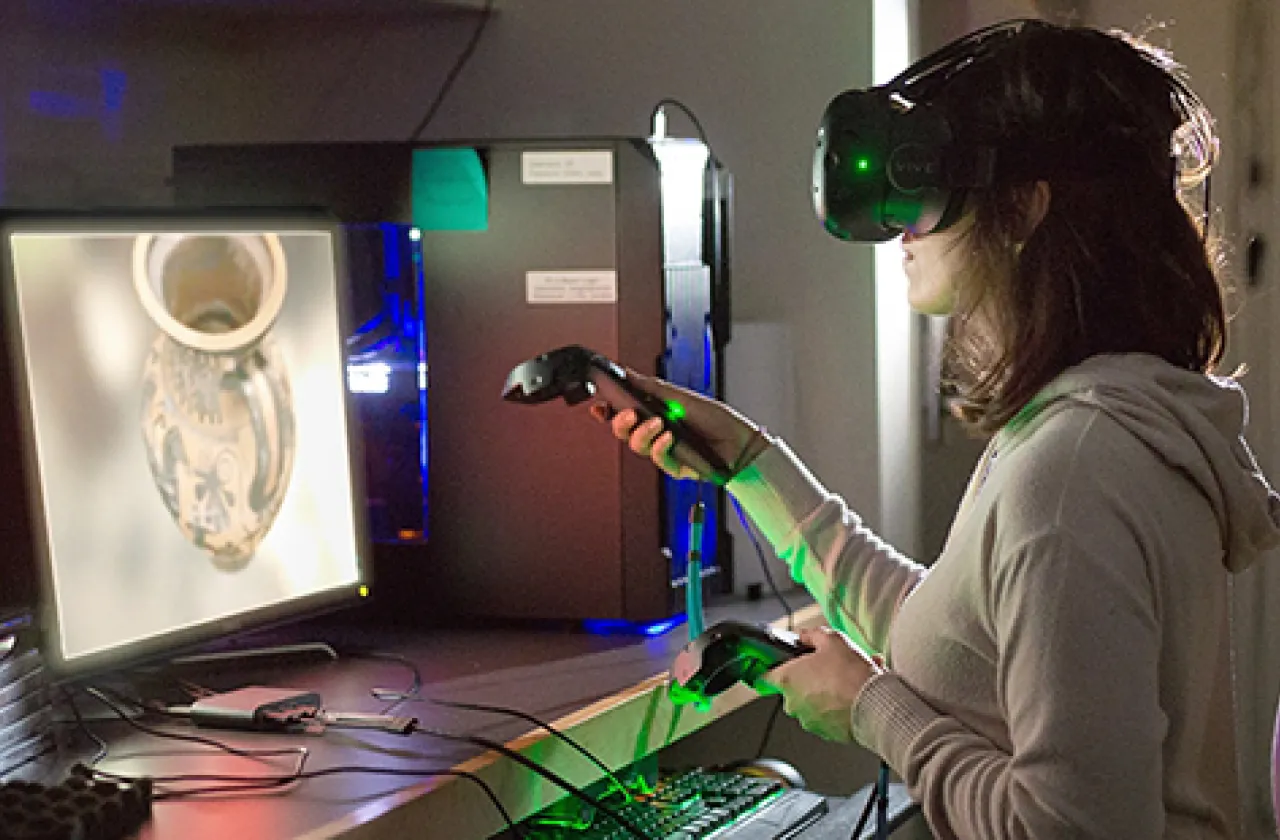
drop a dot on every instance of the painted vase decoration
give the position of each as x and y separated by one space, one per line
217 410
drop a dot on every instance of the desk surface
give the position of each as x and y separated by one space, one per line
609 693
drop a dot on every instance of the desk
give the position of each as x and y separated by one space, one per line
609 693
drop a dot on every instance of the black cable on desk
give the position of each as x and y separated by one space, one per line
414 694
251 783
550 775
259 783
244 784
302 752
146 707
70 699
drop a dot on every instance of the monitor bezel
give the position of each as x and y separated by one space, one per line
220 630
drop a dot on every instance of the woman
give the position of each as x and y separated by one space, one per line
1064 668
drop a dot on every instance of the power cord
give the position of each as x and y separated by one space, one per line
452 77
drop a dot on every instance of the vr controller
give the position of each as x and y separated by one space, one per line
730 652
577 374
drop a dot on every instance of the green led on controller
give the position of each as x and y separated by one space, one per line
681 696
675 410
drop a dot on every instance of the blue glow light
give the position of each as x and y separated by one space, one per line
72 97
387 355
618 627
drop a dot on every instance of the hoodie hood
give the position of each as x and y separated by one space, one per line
1195 422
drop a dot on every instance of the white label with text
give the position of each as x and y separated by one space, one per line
572 167
571 287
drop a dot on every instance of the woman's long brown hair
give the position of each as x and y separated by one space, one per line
1119 263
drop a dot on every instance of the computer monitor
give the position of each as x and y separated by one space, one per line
190 461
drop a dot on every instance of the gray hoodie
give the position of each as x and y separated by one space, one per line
1063 669
1195 423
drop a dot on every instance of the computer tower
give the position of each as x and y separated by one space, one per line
535 512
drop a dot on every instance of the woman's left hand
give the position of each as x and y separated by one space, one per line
820 688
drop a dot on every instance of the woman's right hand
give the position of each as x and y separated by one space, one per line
730 435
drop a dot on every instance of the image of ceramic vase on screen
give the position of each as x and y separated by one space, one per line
217 410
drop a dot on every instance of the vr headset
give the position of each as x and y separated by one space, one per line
886 160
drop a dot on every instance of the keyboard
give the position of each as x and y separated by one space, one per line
702 804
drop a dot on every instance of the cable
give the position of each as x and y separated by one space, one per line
768 727
301 752
878 799
415 688
154 708
70 699
693 569
246 783
485 14
764 565
413 694
697 126
791 621
194 690
250 783
574 790
866 814
882 802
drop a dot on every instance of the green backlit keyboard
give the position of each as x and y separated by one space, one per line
702 805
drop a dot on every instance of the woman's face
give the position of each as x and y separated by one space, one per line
935 264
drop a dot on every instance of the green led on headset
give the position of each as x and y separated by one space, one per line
887 159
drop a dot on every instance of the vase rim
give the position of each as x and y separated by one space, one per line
210 342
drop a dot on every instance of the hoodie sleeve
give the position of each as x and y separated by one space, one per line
857 578
1078 649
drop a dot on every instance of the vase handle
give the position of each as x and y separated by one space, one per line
266 393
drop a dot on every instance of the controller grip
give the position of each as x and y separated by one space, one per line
688 447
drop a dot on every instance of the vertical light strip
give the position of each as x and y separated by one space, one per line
897 363
682 164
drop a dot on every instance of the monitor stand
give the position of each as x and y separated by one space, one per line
256 656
